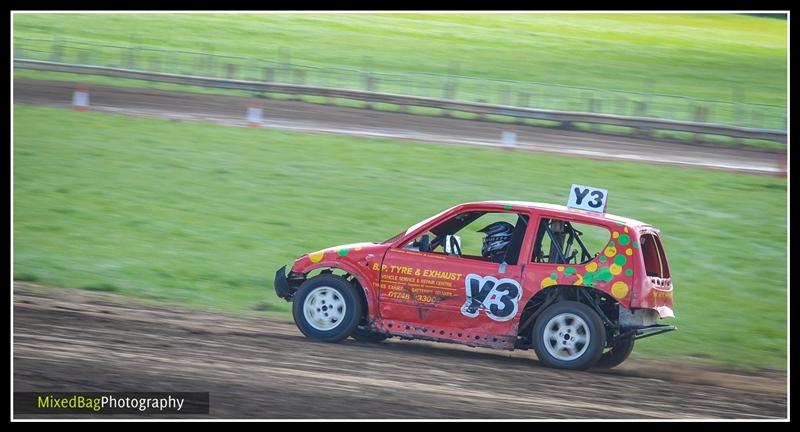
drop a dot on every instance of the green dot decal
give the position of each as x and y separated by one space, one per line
569 271
507 207
611 244
343 252
624 239
636 244
603 258
604 274
629 272
620 260
554 276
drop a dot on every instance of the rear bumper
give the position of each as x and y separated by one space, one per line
647 331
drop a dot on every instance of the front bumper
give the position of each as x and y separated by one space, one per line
282 285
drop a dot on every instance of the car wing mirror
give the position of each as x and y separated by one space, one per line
452 245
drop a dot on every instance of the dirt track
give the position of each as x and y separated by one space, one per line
371 123
75 340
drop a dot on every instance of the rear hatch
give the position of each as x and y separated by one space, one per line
657 284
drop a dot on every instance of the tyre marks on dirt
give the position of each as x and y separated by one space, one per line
264 368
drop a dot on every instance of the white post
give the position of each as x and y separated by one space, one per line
509 139
80 99
254 115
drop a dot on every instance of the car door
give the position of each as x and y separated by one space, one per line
449 296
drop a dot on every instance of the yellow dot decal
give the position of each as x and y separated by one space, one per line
357 248
579 281
560 268
629 251
316 256
615 235
592 266
626 229
610 252
546 282
615 269
619 289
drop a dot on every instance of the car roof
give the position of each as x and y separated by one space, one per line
563 209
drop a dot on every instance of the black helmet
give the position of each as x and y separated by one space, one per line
498 236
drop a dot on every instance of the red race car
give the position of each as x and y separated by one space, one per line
574 283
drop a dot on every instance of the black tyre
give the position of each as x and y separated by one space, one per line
326 308
363 335
617 354
569 335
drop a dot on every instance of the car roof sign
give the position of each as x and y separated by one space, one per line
588 198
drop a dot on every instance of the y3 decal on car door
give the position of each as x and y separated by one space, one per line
498 297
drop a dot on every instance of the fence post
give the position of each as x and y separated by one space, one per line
622 103
83 57
523 99
368 79
505 95
230 71
268 74
700 116
131 58
595 106
285 57
640 110
57 53
299 76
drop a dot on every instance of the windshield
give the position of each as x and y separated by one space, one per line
415 226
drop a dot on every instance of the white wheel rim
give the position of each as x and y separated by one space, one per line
566 336
324 308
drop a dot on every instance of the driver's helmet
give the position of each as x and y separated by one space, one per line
498 236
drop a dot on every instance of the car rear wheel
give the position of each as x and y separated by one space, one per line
326 308
617 354
569 335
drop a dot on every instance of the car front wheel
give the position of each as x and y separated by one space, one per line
326 308
569 335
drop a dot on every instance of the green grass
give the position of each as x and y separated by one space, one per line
202 215
710 56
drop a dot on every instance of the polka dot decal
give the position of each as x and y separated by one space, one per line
619 289
612 267
316 257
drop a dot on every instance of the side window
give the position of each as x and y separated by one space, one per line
655 262
566 242
485 236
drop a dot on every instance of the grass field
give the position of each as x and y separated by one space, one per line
202 215
711 56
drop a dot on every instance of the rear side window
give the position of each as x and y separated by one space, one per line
565 242
655 261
